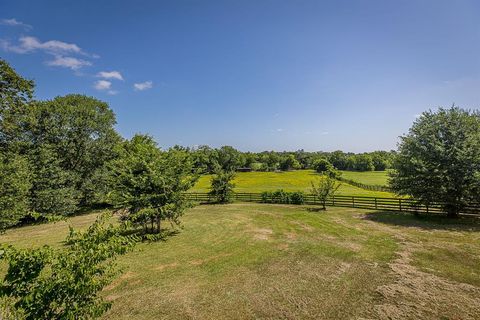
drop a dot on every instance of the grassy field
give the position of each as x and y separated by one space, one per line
250 261
289 181
378 178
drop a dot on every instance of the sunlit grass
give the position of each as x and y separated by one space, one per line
278 261
299 180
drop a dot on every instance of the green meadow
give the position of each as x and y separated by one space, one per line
299 180
256 261
377 178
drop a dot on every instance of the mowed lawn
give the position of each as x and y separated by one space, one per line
259 261
378 178
299 180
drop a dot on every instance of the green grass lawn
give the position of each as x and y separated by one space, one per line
379 178
258 261
289 181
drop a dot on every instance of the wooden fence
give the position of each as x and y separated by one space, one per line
377 203
365 186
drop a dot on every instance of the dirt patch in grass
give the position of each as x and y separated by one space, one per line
165 266
415 294
262 234
122 278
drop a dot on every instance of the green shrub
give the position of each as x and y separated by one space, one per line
65 283
280 196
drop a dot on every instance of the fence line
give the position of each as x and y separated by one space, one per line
371 187
362 202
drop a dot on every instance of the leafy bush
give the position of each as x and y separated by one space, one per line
324 188
48 283
222 187
281 196
149 184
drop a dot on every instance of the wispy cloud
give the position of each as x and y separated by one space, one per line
61 51
29 44
143 86
110 75
15 23
102 85
68 62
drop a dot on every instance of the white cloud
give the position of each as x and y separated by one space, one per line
61 51
15 23
102 85
112 92
68 62
143 85
324 133
110 75
29 44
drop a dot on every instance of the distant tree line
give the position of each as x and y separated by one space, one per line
227 158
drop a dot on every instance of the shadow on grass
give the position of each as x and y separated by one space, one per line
426 221
309 209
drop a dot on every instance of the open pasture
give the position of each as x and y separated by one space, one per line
251 261
298 180
377 178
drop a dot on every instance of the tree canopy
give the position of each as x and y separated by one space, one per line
439 159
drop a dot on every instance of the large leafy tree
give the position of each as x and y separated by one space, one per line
439 159
148 184
15 184
229 158
15 174
79 133
15 93
289 162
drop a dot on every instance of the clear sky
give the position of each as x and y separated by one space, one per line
257 75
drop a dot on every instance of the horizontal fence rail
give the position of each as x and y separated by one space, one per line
363 202
365 186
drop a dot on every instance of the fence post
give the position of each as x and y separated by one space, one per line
376 204
333 201
353 202
400 204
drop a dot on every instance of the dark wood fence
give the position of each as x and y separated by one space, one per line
390 204
365 186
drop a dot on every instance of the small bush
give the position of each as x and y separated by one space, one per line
284 197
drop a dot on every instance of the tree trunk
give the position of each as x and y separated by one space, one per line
158 224
452 213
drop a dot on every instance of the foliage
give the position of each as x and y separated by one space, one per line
280 196
324 188
48 283
78 132
221 186
64 143
289 162
15 93
439 159
323 166
148 184
15 183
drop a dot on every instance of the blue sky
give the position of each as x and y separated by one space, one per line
257 75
